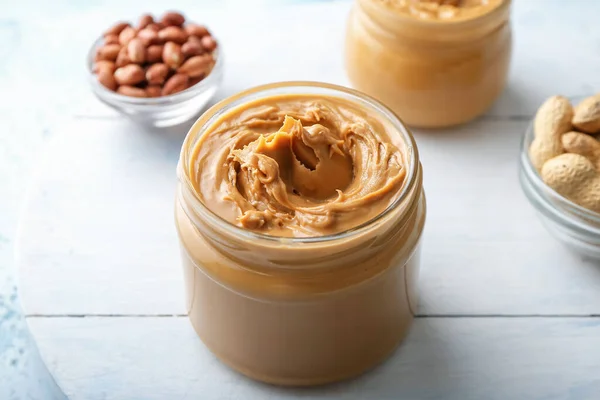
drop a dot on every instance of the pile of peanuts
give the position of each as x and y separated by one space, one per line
156 57
566 148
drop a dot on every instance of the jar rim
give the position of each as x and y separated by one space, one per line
458 22
304 87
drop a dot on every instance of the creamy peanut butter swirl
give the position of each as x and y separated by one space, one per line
301 165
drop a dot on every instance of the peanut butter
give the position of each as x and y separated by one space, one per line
298 165
442 10
436 63
277 284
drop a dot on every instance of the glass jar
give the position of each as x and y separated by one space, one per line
301 311
432 73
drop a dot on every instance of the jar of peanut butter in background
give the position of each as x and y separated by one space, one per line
436 63
299 210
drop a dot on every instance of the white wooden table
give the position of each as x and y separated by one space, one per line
506 312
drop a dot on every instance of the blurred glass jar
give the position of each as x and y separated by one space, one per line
301 311
433 72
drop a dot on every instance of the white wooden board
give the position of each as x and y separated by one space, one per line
443 358
99 266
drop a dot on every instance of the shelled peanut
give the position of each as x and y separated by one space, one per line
156 57
566 150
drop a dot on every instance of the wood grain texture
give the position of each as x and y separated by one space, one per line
443 358
98 235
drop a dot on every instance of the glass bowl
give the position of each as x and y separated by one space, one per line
575 226
161 111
